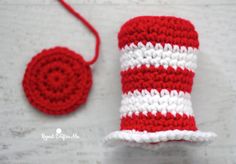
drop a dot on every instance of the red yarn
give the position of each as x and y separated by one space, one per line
157 78
90 27
57 81
158 122
158 29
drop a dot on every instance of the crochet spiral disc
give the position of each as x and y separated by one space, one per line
57 81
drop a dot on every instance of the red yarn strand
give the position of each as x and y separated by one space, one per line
89 26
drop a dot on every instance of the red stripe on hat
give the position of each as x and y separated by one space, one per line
158 122
158 29
157 78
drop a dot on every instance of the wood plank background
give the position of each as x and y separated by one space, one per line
27 26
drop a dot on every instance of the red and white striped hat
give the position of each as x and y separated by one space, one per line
158 62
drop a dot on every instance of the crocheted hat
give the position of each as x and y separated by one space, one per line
158 62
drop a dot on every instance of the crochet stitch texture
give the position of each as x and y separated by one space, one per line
57 81
158 62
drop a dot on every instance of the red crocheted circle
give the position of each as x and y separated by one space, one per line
57 81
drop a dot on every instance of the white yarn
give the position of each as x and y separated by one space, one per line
150 55
154 101
148 140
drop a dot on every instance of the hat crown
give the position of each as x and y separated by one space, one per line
158 29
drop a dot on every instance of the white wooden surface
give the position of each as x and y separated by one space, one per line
27 26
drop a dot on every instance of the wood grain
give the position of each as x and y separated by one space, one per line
27 26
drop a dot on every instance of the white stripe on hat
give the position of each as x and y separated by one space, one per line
154 101
175 56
